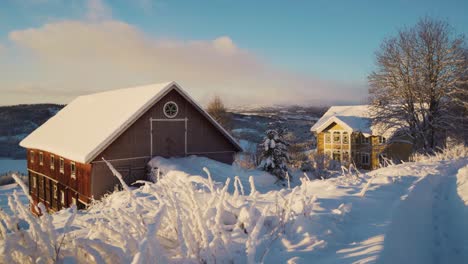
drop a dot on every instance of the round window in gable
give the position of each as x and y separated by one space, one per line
170 109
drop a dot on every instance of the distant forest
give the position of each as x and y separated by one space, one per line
18 121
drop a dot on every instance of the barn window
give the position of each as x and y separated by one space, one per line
62 197
62 165
52 162
170 109
31 156
55 191
73 170
41 158
34 181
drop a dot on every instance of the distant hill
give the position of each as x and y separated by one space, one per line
249 124
18 121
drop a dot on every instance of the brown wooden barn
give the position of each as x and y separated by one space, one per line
127 127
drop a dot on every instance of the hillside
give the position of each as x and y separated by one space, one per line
18 121
407 213
248 124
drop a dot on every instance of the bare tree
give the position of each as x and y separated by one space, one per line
218 111
419 85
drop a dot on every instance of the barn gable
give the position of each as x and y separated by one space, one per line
90 123
204 135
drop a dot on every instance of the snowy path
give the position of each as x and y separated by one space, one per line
419 218
430 225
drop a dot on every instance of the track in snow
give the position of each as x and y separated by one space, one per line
430 225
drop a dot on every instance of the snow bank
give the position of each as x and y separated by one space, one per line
194 165
462 184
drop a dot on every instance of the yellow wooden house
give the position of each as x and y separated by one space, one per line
346 134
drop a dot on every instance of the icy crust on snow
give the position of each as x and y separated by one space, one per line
355 118
462 184
87 123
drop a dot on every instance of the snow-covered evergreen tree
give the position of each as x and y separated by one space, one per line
274 156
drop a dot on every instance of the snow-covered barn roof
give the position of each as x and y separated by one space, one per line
90 123
355 118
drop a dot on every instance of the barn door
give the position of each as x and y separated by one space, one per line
168 138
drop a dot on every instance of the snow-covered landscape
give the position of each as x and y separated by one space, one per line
414 212
233 132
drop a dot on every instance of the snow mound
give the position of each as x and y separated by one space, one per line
219 172
462 184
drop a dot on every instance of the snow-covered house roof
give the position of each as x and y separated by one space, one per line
90 123
355 118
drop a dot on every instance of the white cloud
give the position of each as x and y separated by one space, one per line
73 57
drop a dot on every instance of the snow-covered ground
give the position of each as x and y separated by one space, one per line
7 191
408 213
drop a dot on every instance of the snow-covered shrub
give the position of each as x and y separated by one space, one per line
451 152
274 157
179 218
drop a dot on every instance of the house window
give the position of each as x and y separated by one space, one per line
327 137
345 157
328 153
170 109
62 165
74 200
365 158
336 137
41 158
52 162
365 140
31 156
73 170
382 140
55 191
345 138
337 155
62 197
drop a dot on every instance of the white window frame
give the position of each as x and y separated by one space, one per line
177 109
55 190
62 165
73 170
333 137
343 137
41 158
62 197
52 162
365 154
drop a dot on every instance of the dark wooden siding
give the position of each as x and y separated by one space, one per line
132 149
47 179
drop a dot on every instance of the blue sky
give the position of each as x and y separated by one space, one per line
315 45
